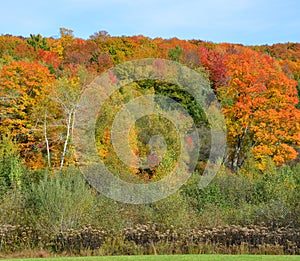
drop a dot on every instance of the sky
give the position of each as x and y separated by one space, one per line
249 22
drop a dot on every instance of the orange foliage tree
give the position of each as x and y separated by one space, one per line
24 88
259 105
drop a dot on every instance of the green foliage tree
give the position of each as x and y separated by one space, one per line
11 168
38 42
175 53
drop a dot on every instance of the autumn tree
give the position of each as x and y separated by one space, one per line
24 88
80 52
120 49
145 47
51 59
65 96
259 105
66 39
213 61
8 45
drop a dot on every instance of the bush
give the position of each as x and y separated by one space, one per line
13 208
11 168
172 211
271 198
60 202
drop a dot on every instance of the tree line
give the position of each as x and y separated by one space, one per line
41 80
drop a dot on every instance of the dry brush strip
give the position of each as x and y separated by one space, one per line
150 237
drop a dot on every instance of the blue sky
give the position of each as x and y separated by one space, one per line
236 21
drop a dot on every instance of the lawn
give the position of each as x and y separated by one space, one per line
168 257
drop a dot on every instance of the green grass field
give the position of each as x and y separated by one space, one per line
169 257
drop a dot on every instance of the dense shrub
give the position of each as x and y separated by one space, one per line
60 202
270 199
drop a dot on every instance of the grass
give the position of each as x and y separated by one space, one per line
170 257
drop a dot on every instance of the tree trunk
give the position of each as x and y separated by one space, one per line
69 121
236 162
47 141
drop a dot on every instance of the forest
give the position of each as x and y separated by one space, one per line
252 204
